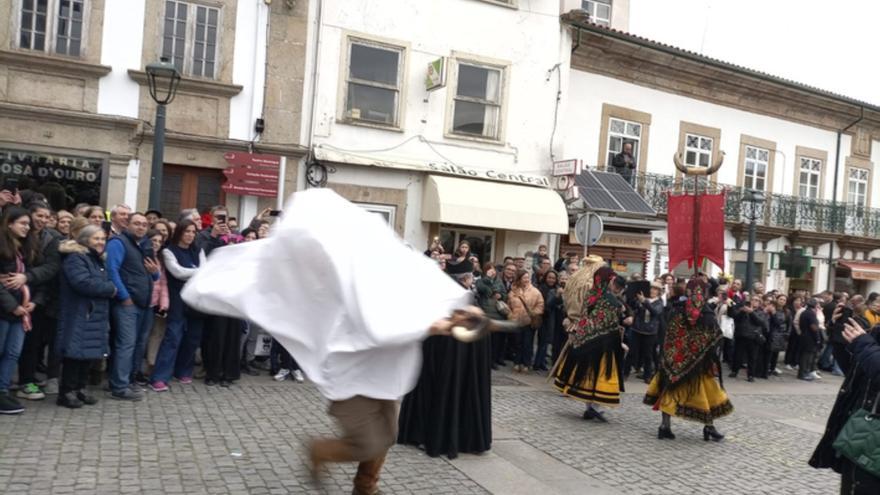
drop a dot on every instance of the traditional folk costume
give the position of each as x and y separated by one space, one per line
317 286
450 409
590 366
688 383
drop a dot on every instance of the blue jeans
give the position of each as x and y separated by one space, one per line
527 340
11 342
178 349
132 328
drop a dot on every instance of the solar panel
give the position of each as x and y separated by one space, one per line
624 193
596 197
608 191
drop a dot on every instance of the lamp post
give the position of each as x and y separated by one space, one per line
754 199
163 79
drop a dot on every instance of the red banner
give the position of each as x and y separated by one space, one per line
711 231
680 228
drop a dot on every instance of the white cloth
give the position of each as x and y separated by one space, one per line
339 290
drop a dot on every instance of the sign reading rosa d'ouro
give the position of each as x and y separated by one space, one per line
64 179
46 167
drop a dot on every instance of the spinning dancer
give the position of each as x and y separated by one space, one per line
316 286
589 367
686 385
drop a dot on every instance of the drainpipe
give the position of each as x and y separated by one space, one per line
830 281
319 21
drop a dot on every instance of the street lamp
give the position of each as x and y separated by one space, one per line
163 79
754 198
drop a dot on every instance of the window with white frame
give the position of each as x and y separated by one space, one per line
52 26
386 212
858 186
599 10
697 150
190 36
808 178
373 82
621 132
476 106
757 162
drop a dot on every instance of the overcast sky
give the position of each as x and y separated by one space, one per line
830 44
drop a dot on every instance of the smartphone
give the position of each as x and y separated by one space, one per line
106 226
11 185
846 314
221 218
274 213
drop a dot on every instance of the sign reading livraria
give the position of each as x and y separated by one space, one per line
79 177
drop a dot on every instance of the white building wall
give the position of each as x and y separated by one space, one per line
121 48
582 127
529 37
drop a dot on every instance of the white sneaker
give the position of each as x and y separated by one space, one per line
282 375
788 367
815 376
51 387
777 372
298 376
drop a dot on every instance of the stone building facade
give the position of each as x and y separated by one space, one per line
74 96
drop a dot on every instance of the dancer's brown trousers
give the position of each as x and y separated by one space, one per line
369 428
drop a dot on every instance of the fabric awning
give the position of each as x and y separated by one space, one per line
862 270
480 203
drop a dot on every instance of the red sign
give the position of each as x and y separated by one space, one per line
250 190
243 174
252 174
238 158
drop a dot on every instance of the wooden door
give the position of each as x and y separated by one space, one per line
190 187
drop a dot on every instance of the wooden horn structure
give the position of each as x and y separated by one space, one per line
686 170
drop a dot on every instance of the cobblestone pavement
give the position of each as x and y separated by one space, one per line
249 439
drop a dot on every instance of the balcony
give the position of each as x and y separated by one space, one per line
779 212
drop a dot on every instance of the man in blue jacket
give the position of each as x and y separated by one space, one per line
132 270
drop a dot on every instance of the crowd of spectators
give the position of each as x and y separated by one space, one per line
91 297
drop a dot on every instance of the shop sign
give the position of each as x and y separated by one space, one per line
566 167
436 76
50 167
533 180
252 174
625 240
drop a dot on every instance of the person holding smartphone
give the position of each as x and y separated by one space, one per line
133 273
221 342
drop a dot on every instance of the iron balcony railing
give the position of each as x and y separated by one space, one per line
777 210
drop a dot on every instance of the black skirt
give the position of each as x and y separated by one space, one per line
449 411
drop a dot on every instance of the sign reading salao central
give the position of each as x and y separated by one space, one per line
516 178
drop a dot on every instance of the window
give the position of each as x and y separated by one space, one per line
756 163
858 186
482 242
476 106
697 150
599 10
373 82
386 212
808 179
54 26
189 38
621 132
